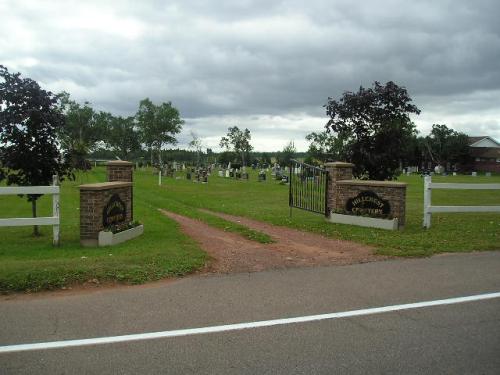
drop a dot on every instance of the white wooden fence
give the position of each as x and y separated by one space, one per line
53 220
429 208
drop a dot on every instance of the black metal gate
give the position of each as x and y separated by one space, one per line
308 188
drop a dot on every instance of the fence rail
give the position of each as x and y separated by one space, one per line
53 220
429 208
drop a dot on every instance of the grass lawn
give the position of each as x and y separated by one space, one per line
28 263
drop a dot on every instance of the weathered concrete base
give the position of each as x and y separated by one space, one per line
362 221
110 238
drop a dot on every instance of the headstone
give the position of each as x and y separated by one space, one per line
262 176
221 173
454 173
488 174
284 179
474 174
228 173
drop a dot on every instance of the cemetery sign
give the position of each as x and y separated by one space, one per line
368 202
114 212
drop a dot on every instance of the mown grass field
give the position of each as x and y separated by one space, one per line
30 264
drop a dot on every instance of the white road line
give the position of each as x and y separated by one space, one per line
240 326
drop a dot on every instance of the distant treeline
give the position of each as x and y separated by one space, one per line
192 157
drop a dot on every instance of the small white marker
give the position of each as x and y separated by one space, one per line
240 326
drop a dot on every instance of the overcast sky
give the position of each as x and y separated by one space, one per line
269 66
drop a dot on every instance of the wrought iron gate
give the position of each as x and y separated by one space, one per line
308 188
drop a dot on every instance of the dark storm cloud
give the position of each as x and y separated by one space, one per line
226 61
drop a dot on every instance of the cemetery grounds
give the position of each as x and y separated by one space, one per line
29 264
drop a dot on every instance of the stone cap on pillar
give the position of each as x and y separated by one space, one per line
105 185
339 164
120 163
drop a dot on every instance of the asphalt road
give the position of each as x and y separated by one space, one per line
451 339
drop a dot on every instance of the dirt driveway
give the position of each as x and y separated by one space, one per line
231 253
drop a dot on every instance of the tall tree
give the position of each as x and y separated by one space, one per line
196 144
158 125
238 141
288 154
375 123
445 145
81 132
325 146
30 120
122 137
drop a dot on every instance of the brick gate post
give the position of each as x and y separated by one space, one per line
337 171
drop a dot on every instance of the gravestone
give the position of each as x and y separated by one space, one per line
262 176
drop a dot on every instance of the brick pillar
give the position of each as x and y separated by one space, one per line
93 200
337 171
119 170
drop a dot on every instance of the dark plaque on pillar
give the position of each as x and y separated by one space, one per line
115 211
368 203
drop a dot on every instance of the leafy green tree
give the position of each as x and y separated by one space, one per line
82 130
445 145
324 147
227 157
265 159
30 120
122 136
239 141
158 125
288 154
197 145
375 124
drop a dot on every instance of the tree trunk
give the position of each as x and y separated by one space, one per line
36 233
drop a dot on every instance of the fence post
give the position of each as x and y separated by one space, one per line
55 212
427 201
159 177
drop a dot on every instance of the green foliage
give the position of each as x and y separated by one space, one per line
238 141
445 145
158 125
375 125
30 120
287 154
324 147
121 136
82 129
